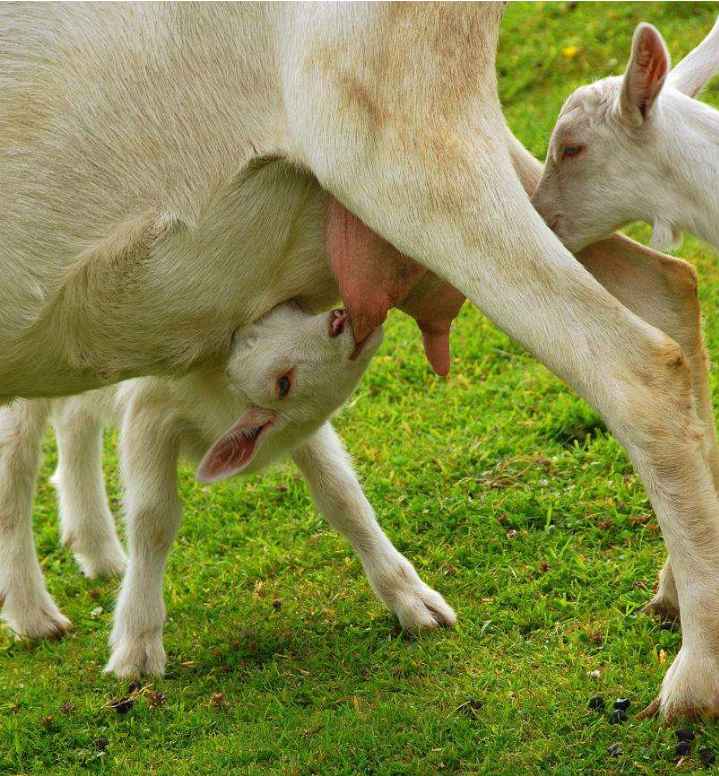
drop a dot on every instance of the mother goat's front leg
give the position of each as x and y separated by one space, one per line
465 216
338 495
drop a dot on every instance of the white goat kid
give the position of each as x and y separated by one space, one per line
286 375
637 147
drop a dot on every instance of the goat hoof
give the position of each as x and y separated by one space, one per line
43 622
108 563
418 607
690 688
132 658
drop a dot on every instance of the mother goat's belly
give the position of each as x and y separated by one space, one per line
123 314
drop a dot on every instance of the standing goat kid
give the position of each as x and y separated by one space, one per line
637 147
286 374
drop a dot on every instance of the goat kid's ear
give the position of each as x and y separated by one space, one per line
645 75
692 74
236 448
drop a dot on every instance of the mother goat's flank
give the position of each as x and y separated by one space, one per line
156 204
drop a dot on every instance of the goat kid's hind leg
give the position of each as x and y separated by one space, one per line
149 448
339 497
88 527
28 608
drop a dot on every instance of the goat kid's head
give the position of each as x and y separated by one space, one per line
606 164
293 370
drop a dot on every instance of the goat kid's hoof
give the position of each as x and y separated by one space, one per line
690 688
423 610
417 606
132 658
46 622
109 563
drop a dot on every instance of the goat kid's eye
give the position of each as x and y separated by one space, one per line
283 386
570 151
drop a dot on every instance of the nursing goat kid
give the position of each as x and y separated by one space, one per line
637 147
286 375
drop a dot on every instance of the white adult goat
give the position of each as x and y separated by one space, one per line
637 147
287 374
171 172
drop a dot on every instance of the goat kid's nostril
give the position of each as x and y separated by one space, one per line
338 319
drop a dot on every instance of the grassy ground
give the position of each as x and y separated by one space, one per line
501 486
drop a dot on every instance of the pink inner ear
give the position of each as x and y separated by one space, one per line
649 68
234 450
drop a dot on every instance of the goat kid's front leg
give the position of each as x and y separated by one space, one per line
149 449
339 497
26 605
88 527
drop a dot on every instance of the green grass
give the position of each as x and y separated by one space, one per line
499 484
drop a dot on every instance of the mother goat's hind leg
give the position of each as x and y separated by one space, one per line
28 608
468 219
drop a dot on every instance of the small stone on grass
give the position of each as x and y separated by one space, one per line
597 703
614 750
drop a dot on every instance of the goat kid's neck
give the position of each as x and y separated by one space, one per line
691 151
